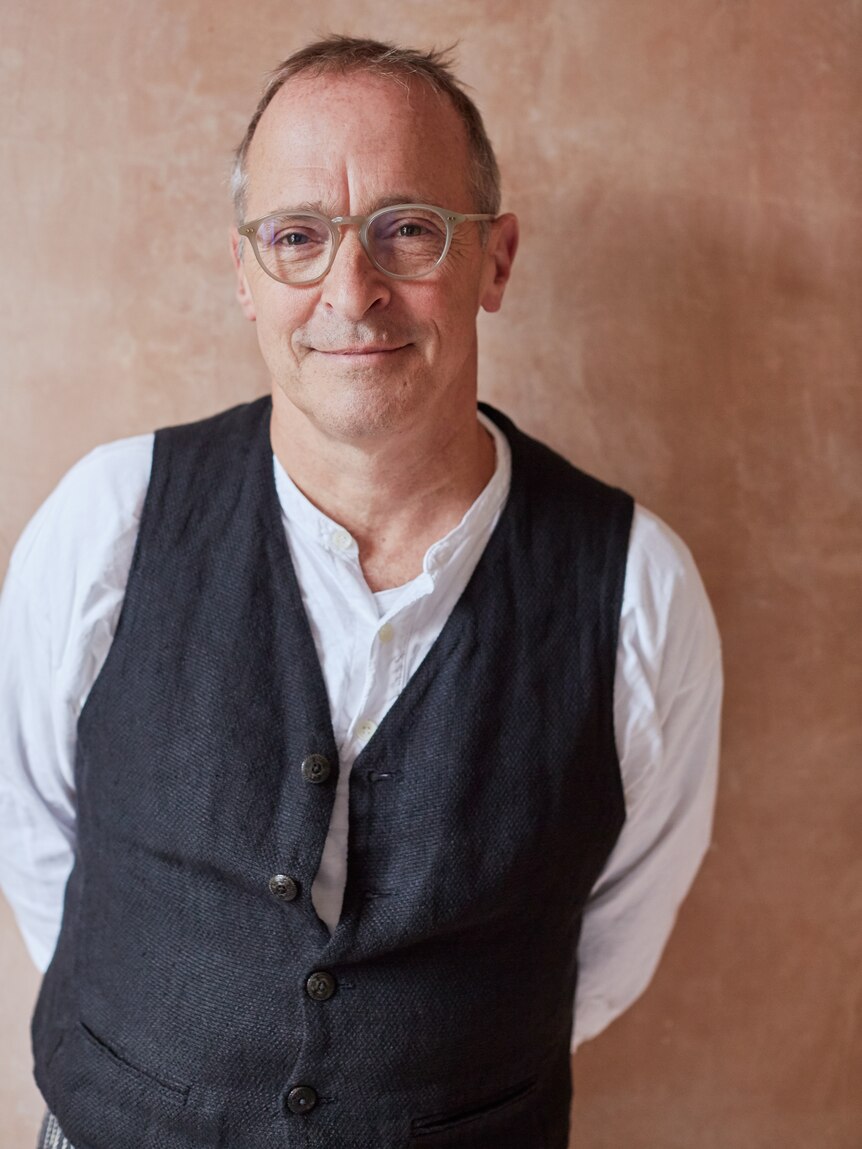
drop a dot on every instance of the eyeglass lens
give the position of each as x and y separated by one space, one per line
296 248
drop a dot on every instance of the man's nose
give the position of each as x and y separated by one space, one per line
353 285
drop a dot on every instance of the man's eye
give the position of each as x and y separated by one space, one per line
410 229
291 239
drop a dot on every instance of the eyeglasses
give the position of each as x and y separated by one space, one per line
405 242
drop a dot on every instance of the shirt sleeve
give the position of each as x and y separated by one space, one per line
667 706
58 611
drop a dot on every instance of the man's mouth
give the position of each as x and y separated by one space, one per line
360 350
364 353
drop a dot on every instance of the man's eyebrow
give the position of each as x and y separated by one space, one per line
299 208
394 200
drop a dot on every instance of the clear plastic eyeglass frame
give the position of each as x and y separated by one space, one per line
451 219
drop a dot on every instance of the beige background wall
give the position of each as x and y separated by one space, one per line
696 339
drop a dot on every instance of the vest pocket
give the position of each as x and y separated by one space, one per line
171 1090
508 1114
101 1098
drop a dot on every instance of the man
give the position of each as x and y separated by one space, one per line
378 735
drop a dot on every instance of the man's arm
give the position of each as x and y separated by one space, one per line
58 611
667 705
37 807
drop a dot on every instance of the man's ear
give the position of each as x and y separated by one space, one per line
243 292
500 249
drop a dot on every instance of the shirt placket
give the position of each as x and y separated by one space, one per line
385 664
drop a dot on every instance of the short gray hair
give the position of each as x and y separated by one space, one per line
344 54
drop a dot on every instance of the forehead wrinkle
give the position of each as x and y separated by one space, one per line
359 168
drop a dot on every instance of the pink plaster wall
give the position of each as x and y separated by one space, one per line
697 341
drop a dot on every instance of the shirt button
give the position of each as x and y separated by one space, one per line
365 729
283 887
341 540
301 1099
316 768
386 632
320 986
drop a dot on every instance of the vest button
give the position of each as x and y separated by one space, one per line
320 986
316 768
301 1099
283 887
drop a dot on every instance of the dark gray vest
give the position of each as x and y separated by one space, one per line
195 999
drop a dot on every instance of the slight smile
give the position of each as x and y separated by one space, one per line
361 352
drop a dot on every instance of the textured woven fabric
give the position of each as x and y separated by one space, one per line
188 1004
51 1136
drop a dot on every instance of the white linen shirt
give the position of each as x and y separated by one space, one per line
58 612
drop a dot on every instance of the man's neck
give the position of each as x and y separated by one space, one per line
396 494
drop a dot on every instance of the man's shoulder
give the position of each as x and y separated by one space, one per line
97 500
100 499
658 551
554 481
666 612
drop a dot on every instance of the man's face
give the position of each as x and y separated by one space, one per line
360 354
